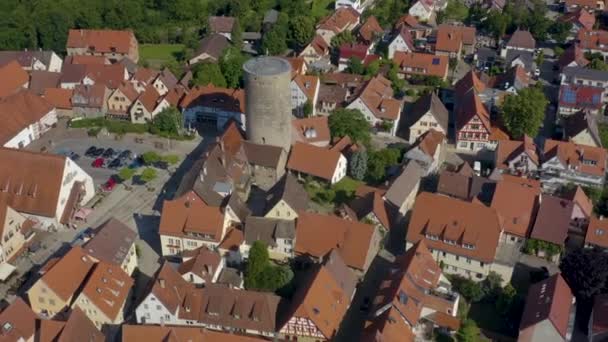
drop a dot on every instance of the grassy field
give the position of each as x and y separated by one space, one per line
321 8
160 53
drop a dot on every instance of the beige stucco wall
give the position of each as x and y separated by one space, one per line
43 299
130 263
11 230
93 313
282 211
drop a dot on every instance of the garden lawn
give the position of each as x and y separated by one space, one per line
159 53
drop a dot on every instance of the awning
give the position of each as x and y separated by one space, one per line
6 270
83 213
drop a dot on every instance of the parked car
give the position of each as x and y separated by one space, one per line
90 151
98 152
109 153
136 163
98 163
74 156
109 184
126 154
116 163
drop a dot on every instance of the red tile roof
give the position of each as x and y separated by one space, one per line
105 41
66 276
22 322
212 96
573 156
318 234
451 38
59 97
597 232
13 78
517 216
311 130
348 51
580 17
509 149
377 95
370 29
340 20
421 63
463 222
313 160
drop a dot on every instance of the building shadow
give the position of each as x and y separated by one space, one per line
147 228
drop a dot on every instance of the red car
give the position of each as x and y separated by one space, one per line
109 185
97 163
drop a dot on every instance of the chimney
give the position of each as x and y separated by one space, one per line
161 282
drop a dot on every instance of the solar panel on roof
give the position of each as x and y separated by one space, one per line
596 99
569 96
435 61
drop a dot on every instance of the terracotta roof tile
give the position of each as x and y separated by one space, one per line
572 155
18 322
377 95
311 130
221 24
87 59
111 242
309 84
102 40
23 186
517 215
592 39
421 63
233 239
317 234
157 333
68 274
313 160
212 96
13 78
509 149
370 29
552 220
597 232
107 288
429 142
58 97
340 20
189 214
522 39
463 222
40 80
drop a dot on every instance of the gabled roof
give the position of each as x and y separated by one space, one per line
522 39
372 202
585 159
308 84
340 19
515 77
311 130
221 24
202 261
101 40
24 187
404 184
552 220
573 54
593 39
149 98
317 234
78 327
579 122
597 232
108 287
169 287
370 29
578 197
509 149
188 213
17 322
470 106
19 111
111 242
429 141
581 18
289 190
429 103
268 230
58 97
313 160
319 45
213 45
352 50
580 96
470 81
462 222
550 299
431 65
216 97
377 95
451 38
40 80
517 215
13 78
324 296
66 276
90 96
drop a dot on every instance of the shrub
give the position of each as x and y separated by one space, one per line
149 174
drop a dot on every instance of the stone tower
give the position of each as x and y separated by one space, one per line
268 101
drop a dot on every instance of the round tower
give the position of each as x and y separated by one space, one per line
268 101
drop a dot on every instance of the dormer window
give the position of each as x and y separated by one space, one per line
468 246
432 237
449 242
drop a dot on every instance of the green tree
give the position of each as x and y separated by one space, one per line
231 65
378 161
349 122
468 332
505 299
236 36
301 30
208 73
560 30
150 157
497 23
468 288
126 173
257 262
148 175
455 10
357 166
344 37
540 58
308 108
170 159
372 68
524 113
168 121
355 66
585 271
